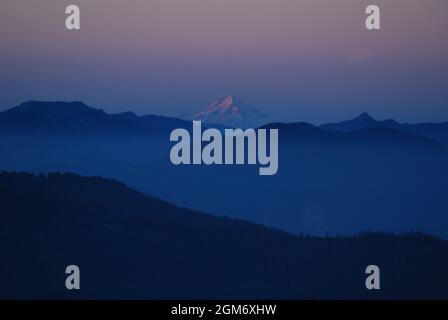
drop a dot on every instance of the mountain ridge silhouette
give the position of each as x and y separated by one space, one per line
78 118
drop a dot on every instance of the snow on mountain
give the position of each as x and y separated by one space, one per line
232 112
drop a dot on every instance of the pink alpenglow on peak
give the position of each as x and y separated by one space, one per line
231 111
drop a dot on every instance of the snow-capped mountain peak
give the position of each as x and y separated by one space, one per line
231 111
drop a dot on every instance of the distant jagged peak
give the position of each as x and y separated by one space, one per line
362 121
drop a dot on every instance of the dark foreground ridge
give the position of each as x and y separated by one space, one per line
130 246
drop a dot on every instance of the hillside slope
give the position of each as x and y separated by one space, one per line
128 245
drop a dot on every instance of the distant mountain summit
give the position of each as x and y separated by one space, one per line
232 112
436 131
363 121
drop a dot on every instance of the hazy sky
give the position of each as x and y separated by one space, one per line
297 60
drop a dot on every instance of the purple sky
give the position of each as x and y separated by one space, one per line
297 60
